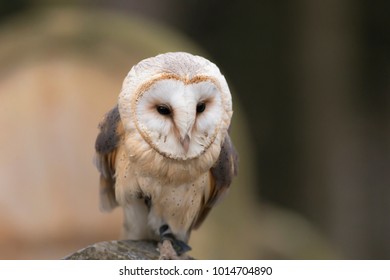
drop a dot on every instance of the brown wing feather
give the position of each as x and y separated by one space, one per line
107 141
221 176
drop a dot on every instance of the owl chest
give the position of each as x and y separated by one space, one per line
177 205
167 201
134 180
171 194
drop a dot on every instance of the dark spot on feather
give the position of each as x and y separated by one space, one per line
139 195
146 197
163 229
148 201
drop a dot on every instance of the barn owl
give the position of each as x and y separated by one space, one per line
164 152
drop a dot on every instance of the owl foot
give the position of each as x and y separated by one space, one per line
168 252
170 247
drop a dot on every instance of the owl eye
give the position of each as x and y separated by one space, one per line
200 107
163 110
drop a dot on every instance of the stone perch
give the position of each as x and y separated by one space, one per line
118 250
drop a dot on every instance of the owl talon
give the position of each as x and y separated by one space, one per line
168 252
179 246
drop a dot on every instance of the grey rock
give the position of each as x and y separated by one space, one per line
117 250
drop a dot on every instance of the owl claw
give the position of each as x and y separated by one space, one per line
179 246
168 252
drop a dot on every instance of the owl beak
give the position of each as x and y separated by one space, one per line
185 142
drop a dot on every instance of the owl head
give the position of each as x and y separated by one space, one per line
178 103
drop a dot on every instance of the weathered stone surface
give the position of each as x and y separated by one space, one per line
117 250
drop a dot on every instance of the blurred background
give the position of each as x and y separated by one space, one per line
311 86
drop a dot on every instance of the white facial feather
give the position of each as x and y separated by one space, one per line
164 132
180 82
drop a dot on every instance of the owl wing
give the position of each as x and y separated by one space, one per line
221 176
107 142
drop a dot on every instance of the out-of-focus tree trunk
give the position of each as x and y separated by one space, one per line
346 185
